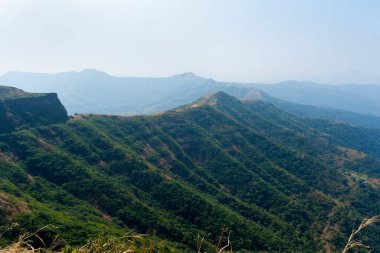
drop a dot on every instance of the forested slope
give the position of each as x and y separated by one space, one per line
278 182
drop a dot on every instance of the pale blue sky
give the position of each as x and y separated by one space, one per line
237 40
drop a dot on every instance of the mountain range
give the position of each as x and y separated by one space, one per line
359 98
277 181
92 91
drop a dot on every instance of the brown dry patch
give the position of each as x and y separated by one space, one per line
148 151
374 181
232 148
348 155
5 157
79 117
167 178
352 154
330 230
101 163
224 189
53 135
164 164
30 178
166 148
107 217
11 207
45 146
15 249
195 105
363 178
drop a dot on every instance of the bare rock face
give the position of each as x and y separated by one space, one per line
19 108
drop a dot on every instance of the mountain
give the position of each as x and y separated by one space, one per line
359 98
323 112
19 108
92 91
279 182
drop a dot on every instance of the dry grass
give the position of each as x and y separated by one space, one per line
354 242
24 243
220 247
135 243
129 243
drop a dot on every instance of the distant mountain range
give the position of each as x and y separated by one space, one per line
92 91
279 182
364 99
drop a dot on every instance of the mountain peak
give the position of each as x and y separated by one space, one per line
93 72
213 99
218 96
188 75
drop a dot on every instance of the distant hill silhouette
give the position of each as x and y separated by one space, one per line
92 91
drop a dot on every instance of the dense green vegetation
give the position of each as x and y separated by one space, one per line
278 182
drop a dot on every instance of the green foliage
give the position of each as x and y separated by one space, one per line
276 181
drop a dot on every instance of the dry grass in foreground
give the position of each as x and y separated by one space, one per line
130 243
134 243
354 242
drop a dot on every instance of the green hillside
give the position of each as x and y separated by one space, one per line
279 183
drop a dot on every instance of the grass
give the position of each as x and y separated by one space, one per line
136 243
355 242
129 243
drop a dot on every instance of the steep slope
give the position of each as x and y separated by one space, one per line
277 181
19 108
92 91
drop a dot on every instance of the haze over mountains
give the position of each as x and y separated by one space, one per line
360 98
92 91
251 126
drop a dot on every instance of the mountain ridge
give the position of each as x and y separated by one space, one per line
271 177
92 91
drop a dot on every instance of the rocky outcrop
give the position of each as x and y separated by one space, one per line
29 110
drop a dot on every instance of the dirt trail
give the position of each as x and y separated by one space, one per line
329 230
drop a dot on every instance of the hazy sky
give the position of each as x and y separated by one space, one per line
241 40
